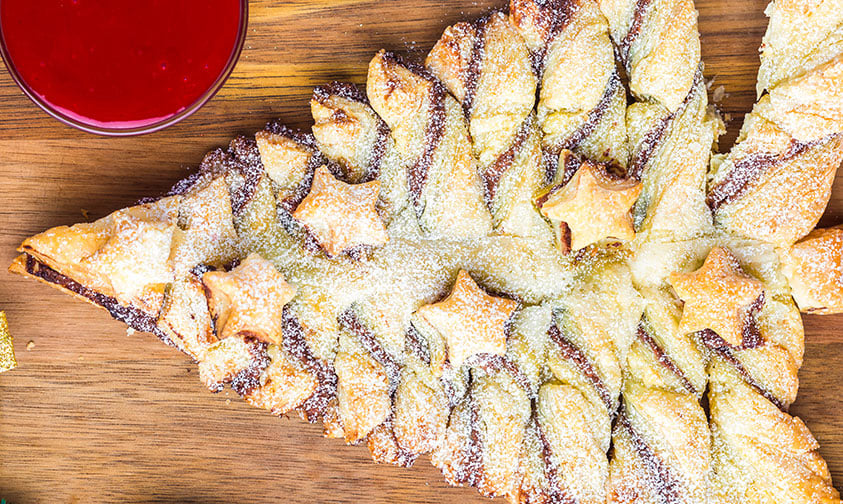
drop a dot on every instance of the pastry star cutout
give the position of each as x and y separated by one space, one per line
248 300
342 215
471 321
717 296
593 205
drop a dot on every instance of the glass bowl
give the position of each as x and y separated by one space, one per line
146 128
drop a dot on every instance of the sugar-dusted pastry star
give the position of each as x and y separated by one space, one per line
471 321
248 300
718 296
593 204
342 215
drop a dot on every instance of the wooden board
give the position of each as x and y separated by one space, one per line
94 415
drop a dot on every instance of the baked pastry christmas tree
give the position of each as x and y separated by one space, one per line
496 261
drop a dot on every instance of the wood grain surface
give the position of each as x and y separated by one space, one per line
95 415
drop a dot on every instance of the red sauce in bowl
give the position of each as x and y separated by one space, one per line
121 65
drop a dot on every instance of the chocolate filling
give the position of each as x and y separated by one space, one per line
471 75
472 456
555 493
494 173
133 317
351 322
378 151
575 355
565 240
652 141
451 392
719 346
664 359
433 134
493 363
658 473
595 115
625 45
244 157
747 171
247 380
417 345
326 389
751 333
276 127
345 90
550 164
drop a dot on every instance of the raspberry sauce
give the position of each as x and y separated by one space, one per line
120 64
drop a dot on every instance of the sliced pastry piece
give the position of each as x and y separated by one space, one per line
581 98
814 268
352 135
663 356
801 35
751 324
669 154
429 129
660 448
482 443
761 454
775 183
658 43
486 66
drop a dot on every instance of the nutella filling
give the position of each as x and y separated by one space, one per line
352 323
664 359
595 115
131 316
575 355
295 343
494 173
747 171
471 76
625 45
433 134
659 474
555 493
247 380
417 345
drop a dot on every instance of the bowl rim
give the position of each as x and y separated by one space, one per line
149 128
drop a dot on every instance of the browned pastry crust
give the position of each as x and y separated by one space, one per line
761 454
775 183
658 43
428 128
814 268
581 99
392 276
801 35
